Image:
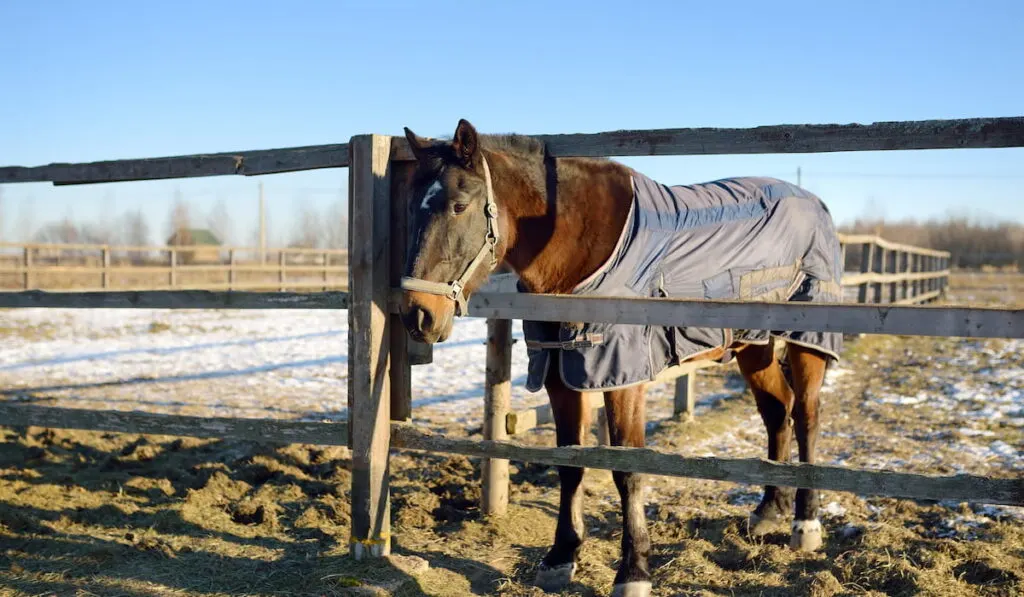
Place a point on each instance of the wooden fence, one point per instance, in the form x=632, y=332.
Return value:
x=91, y=267
x=381, y=354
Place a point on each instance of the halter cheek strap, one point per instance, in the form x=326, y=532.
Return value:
x=453, y=289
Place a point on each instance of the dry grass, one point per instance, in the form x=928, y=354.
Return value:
x=89, y=513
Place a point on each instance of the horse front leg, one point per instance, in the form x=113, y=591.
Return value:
x=572, y=419
x=625, y=410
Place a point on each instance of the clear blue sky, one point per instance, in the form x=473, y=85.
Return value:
x=116, y=79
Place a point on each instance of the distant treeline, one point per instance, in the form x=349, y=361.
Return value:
x=973, y=243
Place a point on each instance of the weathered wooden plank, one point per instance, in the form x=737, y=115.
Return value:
x=968, y=322
x=260, y=430
x=857, y=239
x=640, y=460
x=79, y=247
x=800, y=138
x=786, y=138
x=244, y=163
x=736, y=470
x=176, y=299
x=891, y=278
x=497, y=400
x=369, y=344
x=920, y=298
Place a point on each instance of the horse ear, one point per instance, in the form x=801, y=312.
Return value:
x=466, y=143
x=418, y=144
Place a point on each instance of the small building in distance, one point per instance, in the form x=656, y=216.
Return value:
x=207, y=246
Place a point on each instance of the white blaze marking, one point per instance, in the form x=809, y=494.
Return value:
x=433, y=190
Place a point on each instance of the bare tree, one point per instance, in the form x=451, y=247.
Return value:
x=307, y=231
x=219, y=222
x=61, y=232
x=26, y=219
x=336, y=226
x=180, y=222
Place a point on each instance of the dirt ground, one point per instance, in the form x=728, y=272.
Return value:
x=90, y=513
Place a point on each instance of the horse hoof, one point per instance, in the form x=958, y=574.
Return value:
x=640, y=588
x=759, y=527
x=554, y=578
x=807, y=535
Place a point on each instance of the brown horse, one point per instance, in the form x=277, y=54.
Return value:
x=483, y=200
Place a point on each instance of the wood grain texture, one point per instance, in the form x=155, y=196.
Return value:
x=369, y=345
x=497, y=401
x=400, y=369
x=967, y=322
x=177, y=299
x=736, y=470
x=243, y=163
x=798, y=138
x=1008, y=491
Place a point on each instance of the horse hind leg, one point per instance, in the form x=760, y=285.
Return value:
x=571, y=414
x=774, y=398
x=808, y=370
x=625, y=410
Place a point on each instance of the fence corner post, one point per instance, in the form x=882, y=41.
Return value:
x=497, y=401
x=369, y=400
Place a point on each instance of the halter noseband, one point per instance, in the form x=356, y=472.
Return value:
x=453, y=289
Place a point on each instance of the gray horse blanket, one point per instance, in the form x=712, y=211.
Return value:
x=737, y=238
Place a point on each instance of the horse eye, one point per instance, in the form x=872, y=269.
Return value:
x=460, y=207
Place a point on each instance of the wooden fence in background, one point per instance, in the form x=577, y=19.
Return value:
x=90, y=268
x=381, y=354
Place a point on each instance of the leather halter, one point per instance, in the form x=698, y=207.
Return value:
x=454, y=289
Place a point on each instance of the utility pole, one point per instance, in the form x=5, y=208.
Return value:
x=263, y=228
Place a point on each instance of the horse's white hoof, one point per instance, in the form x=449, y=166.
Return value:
x=554, y=578
x=807, y=535
x=640, y=588
x=759, y=527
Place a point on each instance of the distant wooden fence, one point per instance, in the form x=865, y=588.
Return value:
x=91, y=267
x=380, y=353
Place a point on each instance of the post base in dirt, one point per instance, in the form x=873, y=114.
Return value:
x=369, y=548
x=685, y=396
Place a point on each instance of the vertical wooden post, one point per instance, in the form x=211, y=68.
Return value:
x=172, y=276
x=282, y=259
x=685, y=396
x=893, y=265
x=401, y=370
x=915, y=267
x=327, y=264
x=879, y=268
x=105, y=276
x=866, y=255
x=232, y=274
x=27, y=258
x=369, y=399
x=497, y=401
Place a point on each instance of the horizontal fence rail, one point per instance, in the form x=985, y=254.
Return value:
x=637, y=460
x=799, y=138
x=177, y=299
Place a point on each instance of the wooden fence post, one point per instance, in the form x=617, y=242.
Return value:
x=327, y=263
x=232, y=274
x=27, y=259
x=369, y=400
x=866, y=255
x=497, y=401
x=401, y=360
x=282, y=259
x=685, y=396
x=915, y=267
x=105, y=276
x=172, y=276
x=893, y=265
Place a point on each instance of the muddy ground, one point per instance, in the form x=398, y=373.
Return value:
x=88, y=513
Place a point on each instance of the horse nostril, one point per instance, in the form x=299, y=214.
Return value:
x=424, y=320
